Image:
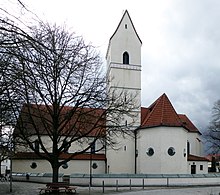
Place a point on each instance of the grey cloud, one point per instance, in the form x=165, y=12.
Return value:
x=189, y=68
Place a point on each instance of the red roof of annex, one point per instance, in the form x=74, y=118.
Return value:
x=162, y=113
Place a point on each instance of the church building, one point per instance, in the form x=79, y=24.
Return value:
x=164, y=141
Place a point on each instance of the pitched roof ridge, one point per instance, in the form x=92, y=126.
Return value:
x=176, y=114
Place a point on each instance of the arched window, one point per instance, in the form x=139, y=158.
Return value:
x=125, y=58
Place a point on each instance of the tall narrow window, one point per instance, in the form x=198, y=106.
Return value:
x=37, y=145
x=93, y=148
x=201, y=167
x=66, y=146
x=125, y=58
x=188, y=147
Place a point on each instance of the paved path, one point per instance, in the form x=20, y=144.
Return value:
x=24, y=188
x=177, y=191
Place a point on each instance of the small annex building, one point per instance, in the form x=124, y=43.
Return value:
x=165, y=142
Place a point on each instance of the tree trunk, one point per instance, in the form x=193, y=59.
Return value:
x=0, y=165
x=55, y=168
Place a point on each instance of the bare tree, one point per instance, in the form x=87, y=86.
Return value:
x=58, y=88
x=212, y=135
x=5, y=113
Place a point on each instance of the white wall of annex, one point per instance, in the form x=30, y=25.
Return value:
x=160, y=139
x=195, y=143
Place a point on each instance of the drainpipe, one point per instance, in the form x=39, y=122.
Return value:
x=136, y=151
x=105, y=148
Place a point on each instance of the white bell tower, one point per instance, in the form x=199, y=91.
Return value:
x=124, y=60
x=124, y=73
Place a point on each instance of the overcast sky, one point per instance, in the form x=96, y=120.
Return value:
x=180, y=51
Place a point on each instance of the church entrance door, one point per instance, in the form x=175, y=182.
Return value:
x=193, y=169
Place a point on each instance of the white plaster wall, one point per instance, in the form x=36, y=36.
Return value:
x=121, y=159
x=160, y=139
x=125, y=78
x=23, y=166
x=43, y=166
x=195, y=144
x=83, y=166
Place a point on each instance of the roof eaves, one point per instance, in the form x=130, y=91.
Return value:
x=159, y=125
x=196, y=158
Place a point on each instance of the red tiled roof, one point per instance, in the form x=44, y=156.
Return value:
x=86, y=156
x=162, y=113
x=36, y=119
x=196, y=158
